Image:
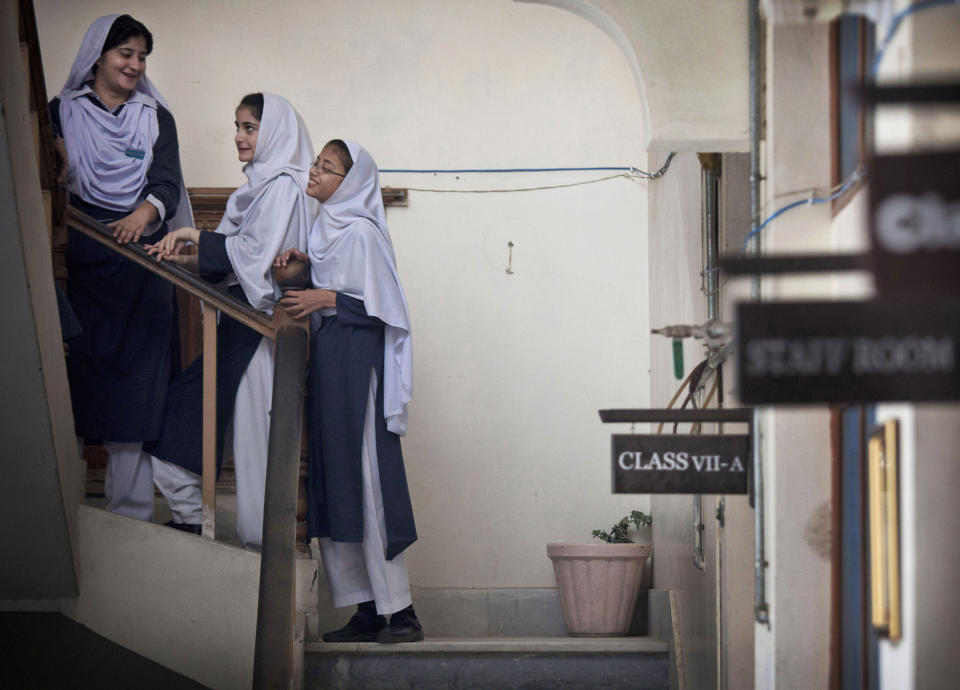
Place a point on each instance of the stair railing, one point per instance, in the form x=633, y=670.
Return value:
x=274, y=663
x=214, y=298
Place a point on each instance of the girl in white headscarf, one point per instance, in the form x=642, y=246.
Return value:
x=267, y=215
x=361, y=373
x=120, y=160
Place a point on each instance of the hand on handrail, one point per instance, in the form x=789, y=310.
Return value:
x=129, y=228
x=169, y=247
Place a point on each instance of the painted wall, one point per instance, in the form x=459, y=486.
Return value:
x=675, y=298
x=714, y=604
x=505, y=450
x=794, y=650
x=690, y=62
x=925, y=47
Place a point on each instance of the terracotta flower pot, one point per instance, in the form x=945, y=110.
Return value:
x=598, y=585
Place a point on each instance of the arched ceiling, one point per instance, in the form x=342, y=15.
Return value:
x=689, y=61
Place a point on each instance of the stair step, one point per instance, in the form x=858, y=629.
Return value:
x=502, y=645
x=495, y=662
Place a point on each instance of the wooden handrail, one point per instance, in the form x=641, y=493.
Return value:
x=274, y=665
x=214, y=296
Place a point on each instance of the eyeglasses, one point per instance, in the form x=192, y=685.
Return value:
x=316, y=164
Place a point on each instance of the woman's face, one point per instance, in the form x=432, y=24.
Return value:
x=248, y=129
x=326, y=173
x=120, y=68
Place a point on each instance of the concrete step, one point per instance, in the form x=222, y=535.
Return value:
x=531, y=663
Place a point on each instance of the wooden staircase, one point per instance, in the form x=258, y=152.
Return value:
x=54, y=199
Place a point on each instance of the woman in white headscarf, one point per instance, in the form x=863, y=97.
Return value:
x=265, y=216
x=361, y=373
x=120, y=160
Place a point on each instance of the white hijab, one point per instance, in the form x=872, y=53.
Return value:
x=351, y=252
x=98, y=143
x=260, y=222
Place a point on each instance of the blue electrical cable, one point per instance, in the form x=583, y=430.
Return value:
x=504, y=170
x=622, y=168
x=813, y=200
x=895, y=24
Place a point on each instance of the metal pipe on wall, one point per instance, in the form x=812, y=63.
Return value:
x=711, y=173
x=760, y=608
x=710, y=163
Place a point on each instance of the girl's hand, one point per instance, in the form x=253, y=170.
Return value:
x=301, y=303
x=171, y=244
x=130, y=228
x=293, y=253
x=191, y=262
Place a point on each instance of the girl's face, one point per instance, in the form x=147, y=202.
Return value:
x=248, y=129
x=119, y=69
x=326, y=173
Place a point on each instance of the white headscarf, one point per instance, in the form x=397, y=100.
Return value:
x=98, y=143
x=264, y=219
x=351, y=252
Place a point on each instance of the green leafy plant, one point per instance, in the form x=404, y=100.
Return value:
x=618, y=533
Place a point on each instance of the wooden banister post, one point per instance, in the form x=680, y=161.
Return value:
x=209, y=478
x=274, y=665
x=303, y=542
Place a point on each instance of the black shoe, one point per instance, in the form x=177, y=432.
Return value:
x=362, y=627
x=184, y=527
x=404, y=627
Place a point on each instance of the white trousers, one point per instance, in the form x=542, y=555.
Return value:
x=251, y=434
x=128, y=481
x=361, y=572
x=183, y=490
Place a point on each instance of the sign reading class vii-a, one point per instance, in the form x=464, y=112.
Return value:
x=680, y=464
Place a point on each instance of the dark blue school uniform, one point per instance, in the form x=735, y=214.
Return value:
x=343, y=351
x=181, y=436
x=120, y=363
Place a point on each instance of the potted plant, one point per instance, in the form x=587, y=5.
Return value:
x=599, y=582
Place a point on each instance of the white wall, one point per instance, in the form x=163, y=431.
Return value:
x=690, y=62
x=793, y=651
x=925, y=47
x=675, y=298
x=505, y=450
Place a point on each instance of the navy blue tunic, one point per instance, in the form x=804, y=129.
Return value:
x=181, y=438
x=343, y=352
x=120, y=363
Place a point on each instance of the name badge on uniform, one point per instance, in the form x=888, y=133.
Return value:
x=135, y=153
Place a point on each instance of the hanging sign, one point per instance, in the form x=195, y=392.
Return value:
x=826, y=352
x=915, y=223
x=680, y=464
